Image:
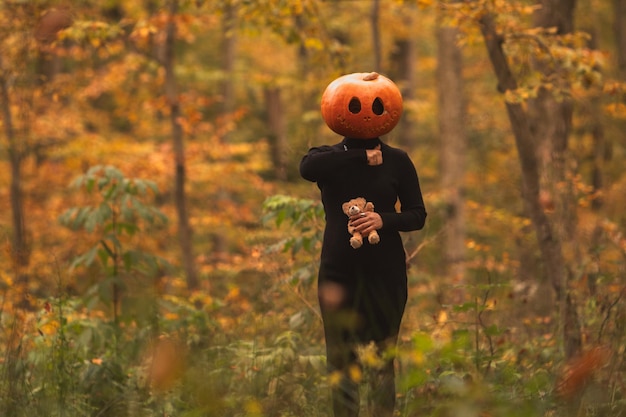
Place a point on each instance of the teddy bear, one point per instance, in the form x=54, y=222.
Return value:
x=353, y=207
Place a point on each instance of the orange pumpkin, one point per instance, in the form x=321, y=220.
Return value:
x=362, y=105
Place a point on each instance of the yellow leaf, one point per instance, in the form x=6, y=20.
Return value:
x=442, y=318
x=144, y=32
x=171, y=316
x=334, y=379
x=233, y=294
x=253, y=408
x=617, y=110
x=355, y=373
x=50, y=327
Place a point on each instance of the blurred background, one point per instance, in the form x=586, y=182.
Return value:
x=160, y=249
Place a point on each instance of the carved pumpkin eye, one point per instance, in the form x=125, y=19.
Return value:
x=377, y=107
x=354, y=106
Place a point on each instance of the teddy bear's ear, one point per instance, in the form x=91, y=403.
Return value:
x=345, y=207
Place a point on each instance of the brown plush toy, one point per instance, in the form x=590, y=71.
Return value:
x=357, y=206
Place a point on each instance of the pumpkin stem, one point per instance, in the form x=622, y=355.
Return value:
x=371, y=76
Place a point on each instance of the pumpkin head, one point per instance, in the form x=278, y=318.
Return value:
x=362, y=105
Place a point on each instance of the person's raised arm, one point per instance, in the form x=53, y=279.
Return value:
x=322, y=162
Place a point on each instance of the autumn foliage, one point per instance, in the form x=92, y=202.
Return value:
x=578, y=372
x=97, y=317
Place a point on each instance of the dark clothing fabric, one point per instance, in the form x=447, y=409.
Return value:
x=363, y=291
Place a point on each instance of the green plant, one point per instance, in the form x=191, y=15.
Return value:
x=304, y=215
x=298, y=251
x=57, y=359
x=305, y=218
x=284, y=378
x=116, y=214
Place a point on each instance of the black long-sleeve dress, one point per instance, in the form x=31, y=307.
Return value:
x=363, y=291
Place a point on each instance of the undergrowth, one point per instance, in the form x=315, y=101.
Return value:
x=227, y=355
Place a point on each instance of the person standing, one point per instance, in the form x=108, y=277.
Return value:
x=363, y=292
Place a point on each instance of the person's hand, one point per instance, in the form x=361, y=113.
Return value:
x=366, y=222
x=374, y=156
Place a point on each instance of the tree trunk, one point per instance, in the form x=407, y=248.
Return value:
x=453, y=140
x=549, y=245
x=278, y=136
x=619, y=7
x=229, y=43
x=20, y=252
x=52, y=21
x=171, y=92
x=551, y=123
x=402, y=70
x=228, y=54
x=600, y=155
x=376, y=44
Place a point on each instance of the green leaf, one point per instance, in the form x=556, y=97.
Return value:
x=89, y=184
x=280, y=216
x=492, y=330
x=111, y=192
x=85, y=259
x=104, y=255
x=129, y=259
x=152, y=185
x=141, y=187
x=127, y=228
x=117, y=245
x=66, y=217
x=423, y=342
x=105, y=213
x=91, y=220
x=81, y=217
x=413, y=379
x=468, y=306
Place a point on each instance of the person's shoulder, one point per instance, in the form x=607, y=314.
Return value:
x=398, y=157
x=338, y=145
x=395, y=151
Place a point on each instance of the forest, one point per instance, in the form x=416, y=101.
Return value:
x=160, y=250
